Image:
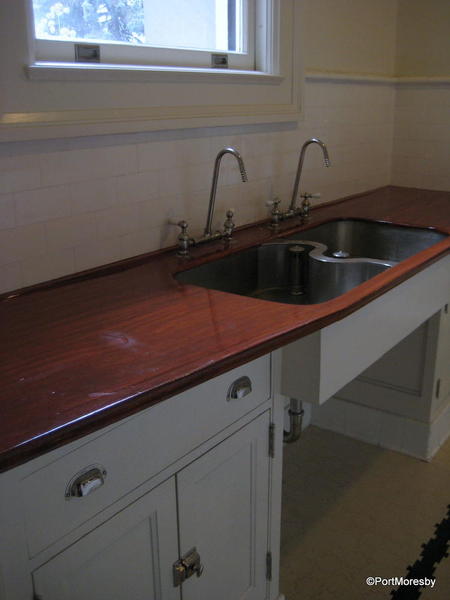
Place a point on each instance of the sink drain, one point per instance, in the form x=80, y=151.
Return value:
x=340, y=254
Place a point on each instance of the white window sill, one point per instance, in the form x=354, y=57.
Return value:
x=50, y=71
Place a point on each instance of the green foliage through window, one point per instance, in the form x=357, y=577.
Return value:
x=108, y=20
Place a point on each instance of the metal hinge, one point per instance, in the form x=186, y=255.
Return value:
x=438, y=387
x=186, y=566
x=446, y=309
x=272, y=440
x=269, y=566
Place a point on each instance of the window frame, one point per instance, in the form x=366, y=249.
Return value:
x=64, y=100
x=55, y=51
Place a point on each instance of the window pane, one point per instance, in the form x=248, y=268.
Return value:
x=194, y=24
x=199, y=24
x=102, y=20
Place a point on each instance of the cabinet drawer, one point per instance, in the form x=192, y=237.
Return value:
x=134, y=451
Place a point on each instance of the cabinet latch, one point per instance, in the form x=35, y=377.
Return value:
x=186, y=566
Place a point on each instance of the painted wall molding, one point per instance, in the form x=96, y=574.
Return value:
x=335, y=77
x=69, y=123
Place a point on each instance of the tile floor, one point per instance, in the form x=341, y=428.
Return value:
x=352, y=510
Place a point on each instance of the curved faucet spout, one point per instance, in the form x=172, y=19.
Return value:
x=326, y=160
x=212, y=196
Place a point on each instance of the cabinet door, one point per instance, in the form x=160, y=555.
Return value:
x=129, y=556
x=223, y=512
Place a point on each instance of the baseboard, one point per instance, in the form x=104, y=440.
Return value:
x=380, y=428
x=440, y=430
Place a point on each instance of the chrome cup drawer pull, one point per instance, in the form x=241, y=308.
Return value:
x=239, y=388
x=86, y=481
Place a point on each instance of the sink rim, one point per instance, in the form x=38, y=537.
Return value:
x=317, y=253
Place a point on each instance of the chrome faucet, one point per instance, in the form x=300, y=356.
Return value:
x=212, y=196
x=304, y=210
x=184, y=241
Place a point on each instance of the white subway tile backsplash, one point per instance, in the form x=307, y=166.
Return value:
x=218, y=142
x=98, y=252
x=138, y=187
x=7, y=211
x=22, y=243
x=117, y=221
x=48, y=266
x=74, y=166
x=421, y=153
x=165, y=154
x=157, y=214
x=185, y=152
x=91, y=196
x=139, y=242
x=71, y=231
x=43, y=204
x=22, y=162
x=149, y=156
x=10, y=276
x=184, y=180
x=103, y=200
x=19, y=179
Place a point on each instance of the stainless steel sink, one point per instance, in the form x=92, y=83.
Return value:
x=312, y=266
x=354, y=238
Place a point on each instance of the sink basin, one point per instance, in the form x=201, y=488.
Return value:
x=380, y=241
x=312, y=266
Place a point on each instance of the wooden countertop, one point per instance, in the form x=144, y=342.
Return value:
x=82, y=353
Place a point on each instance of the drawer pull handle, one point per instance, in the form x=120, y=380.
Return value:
x=239, y=388
x=85, y=482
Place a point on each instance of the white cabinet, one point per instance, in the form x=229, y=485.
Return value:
x=193, y=471
x=223, y=509
x=129, y=556
x=317, y=366
x=412, y=379
x=223, y=512
x=402, y=401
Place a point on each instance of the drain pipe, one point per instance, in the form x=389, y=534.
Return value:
x=295, y=421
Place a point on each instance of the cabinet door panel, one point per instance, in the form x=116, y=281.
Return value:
x=223, y=512
x=129, y=556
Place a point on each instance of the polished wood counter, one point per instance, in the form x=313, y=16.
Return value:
x=81, y=353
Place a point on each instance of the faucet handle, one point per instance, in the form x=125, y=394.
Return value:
x=184, y=241
x=306, y=204
x=228, y=226
x=275, y=213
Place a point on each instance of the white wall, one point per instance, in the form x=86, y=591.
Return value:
x=423, y=38
x=351, y=36
x=421, y=155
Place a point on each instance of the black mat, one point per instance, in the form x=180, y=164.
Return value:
x=435, y=550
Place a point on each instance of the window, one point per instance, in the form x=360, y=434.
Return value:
x=132, y=94
x=174, y=33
